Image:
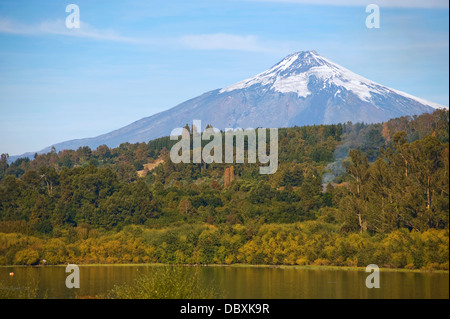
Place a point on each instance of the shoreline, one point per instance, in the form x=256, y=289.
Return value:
x=296, y=267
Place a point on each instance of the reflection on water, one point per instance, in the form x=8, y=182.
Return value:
x=242, y=282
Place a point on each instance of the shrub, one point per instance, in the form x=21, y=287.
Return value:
x=26, y=256
x=166, y=282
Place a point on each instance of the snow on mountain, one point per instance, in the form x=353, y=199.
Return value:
x=304, y=88
x=293, y=73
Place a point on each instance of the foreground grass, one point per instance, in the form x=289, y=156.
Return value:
x=28, y=291
x=168, y=282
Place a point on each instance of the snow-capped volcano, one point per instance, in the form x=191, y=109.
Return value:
x=303, y=89
x=293, y=75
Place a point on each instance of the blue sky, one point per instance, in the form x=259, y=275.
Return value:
x=133, y=59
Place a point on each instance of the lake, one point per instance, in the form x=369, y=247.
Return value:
x=243, y=282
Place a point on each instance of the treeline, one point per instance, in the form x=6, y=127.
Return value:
x=392, y=187
x=305, y=243
x=103, y=188
x=125, y=159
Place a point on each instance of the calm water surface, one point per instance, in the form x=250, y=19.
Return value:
x=243, y=282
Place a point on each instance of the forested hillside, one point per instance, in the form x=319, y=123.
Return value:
x=347, y=194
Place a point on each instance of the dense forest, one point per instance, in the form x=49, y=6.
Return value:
x=345, y=195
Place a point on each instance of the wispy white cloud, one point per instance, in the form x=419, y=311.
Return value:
x=441, y=4
x=58, y=27
x=215, y=41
